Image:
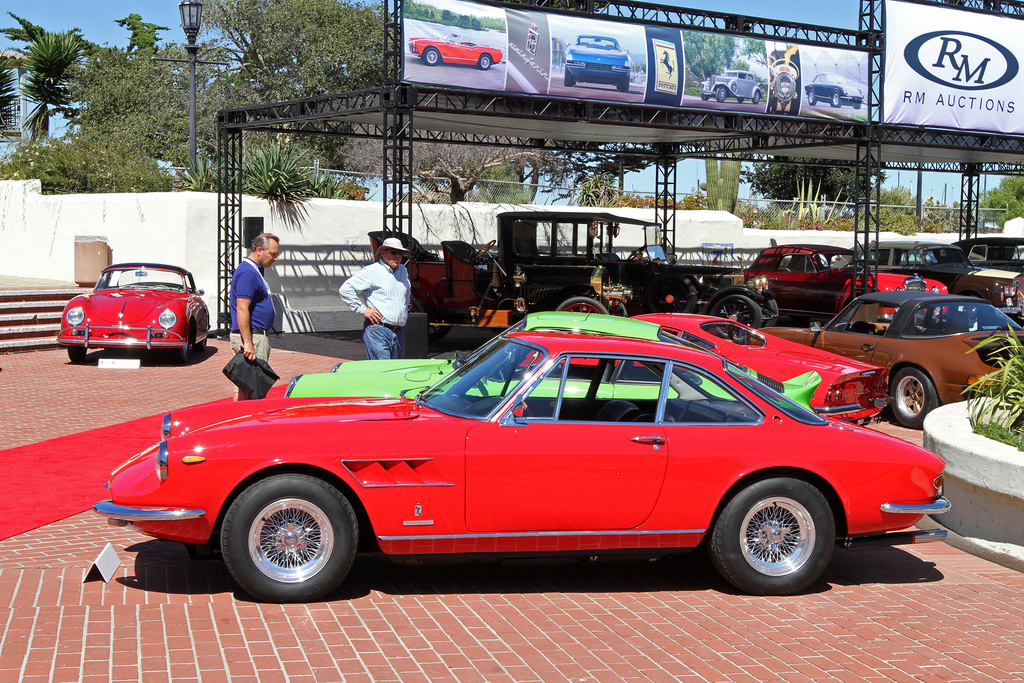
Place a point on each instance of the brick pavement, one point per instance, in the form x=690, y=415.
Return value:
x=930, y=613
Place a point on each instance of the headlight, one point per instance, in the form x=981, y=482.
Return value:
x=935, y=289
x=75, y=316
x=167, y=319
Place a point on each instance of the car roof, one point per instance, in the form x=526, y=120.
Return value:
x=991, y=240
x=561, y=342
x=573, y=217
x=912, y=243
x=143, y=264
x=795, y=248
x=595, y=323
x=899, y=298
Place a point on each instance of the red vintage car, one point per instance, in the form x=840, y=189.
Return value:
x=137, y=306
x=849, y=389
x=816, y=280
x=452, y=50
x=547, y=443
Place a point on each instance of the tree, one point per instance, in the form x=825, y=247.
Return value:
x=784, y=181
x=144, y=35
x=283, y=50
x=8, y=91
x=50, y=59
x=1009, y=195
x=708, y=53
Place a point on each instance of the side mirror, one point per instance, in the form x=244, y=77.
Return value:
x=518, y=413
x=815, y=326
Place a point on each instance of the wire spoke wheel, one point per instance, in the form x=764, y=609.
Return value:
x=777, y=536
x=290, y=540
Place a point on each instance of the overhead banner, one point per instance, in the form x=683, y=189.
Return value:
x=949, y=68
x=467, y=45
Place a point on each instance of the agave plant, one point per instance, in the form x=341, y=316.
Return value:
x=199, y=178
x=998, y=397
x=276, y=172
x=599, y=190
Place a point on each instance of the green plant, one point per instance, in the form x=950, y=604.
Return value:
x=78, y=164
x=998, y=397
x=50, y=58
x=1000, y=434
x=276, y=172
x=723, y=183
x=599, y=190
x=199, y=178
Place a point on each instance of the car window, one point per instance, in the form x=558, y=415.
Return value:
x=694, y=397
x=864, y=317
x=940, y=320
x=478, y=387
x=734, y=332
x=906, y=257
x=597, y=389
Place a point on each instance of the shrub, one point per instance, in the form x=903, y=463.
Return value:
x=79, y=164
x=998, y=397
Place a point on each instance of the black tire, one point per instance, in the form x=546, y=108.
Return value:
x=485, y=62
x=432, y=57
x=740, y=308
x=739, y=100
x=623, y=85
x=856, y=105
x=774, y=537
x=569, y=81
x=913, y=396
x=670, y=295
x=705, y=97
x=181, y=355
x=306, y=525
x=434, y=332
x=76, y=354
x=757, y=97
x=837, y=101
x=582, y=304
x=721, y=93
x=197, y=346
x=200, y=346
x=812, y=99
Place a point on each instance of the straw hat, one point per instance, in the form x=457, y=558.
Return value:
x=392, y=243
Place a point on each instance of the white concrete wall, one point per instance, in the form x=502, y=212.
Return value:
x=323, y=241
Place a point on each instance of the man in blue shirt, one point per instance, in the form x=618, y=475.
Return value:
x=380, y=293
x=252, y=309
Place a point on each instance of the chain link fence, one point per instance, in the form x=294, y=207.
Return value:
x=766, y=214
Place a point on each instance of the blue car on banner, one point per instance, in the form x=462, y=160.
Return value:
x=597, y=59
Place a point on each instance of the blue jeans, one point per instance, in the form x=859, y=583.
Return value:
x=383, y=343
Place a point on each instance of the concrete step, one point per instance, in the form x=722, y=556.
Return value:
x=9, y=318
x=56, y=294
x=29, y=331
x=28, y=344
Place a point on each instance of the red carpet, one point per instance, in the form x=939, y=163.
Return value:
x=50, y=480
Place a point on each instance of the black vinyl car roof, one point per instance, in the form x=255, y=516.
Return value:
x=900, y=298
x=573, y=217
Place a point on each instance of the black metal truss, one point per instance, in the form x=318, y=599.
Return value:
x=665, y=189
x=970, y=186
x=229, y=212
x=868, y=179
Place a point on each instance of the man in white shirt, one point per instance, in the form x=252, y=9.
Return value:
x=380, y=293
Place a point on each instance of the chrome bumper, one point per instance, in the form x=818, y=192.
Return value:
x=91, y=338
x=937, y=507
x=122, y=515
x=897, y=538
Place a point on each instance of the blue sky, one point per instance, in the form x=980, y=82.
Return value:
x=97, y=20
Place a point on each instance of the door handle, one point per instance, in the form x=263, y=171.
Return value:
x=867, y=347
x=656, y=440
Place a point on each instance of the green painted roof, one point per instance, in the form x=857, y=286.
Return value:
x=596, y=323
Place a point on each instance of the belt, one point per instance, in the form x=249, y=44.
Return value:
x=393, y=328
x=255, y=330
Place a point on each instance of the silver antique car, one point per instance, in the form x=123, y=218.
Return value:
x=739, y=84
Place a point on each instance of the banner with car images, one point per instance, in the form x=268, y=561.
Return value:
x=952, y=69
x=467, y=45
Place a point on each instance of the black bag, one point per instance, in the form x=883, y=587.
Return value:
x=252, y=377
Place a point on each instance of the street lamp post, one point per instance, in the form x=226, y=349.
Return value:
x=191, y=20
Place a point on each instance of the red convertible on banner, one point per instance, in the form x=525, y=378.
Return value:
x=546, y=443
x=453, y=51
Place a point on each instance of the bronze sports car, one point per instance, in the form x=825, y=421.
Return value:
x=924, y=340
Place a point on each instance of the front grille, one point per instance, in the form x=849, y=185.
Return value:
x=594, y=66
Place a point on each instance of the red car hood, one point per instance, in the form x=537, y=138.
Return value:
x=130, y=307
x=268, y=411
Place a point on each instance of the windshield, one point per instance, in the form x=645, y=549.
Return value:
x=477, y=388
x=142, y=278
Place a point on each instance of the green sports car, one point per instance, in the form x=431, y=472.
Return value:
x=409, y=376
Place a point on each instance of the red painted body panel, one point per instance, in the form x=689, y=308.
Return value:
x=455, y=52
x=436, y=483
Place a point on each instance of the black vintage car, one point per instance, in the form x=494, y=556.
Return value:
x=568, y=261
x=994, y=252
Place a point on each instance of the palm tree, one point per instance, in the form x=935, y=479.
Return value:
x=50, y=58
x=8, y=93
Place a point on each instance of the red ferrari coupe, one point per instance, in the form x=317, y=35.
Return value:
x=546, y=443
x=140, y=306
x=452, y=50
x=849, y=389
